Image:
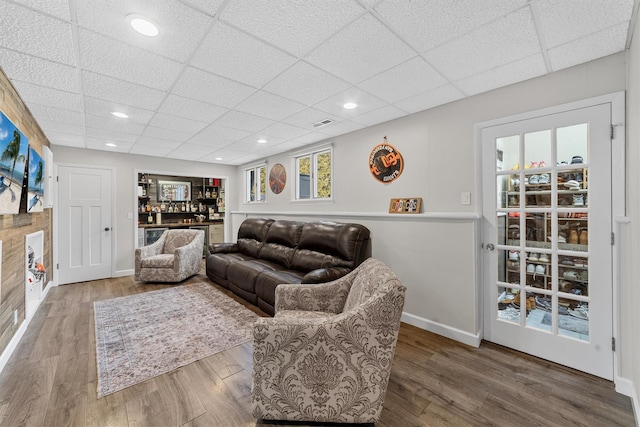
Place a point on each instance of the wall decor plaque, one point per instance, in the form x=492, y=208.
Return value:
x=408, y=206
x=385, y=162
x=277, y=178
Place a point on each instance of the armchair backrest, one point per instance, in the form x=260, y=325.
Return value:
x=370, y=278
x=178, y=238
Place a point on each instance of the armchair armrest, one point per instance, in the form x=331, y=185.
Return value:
x=223, y=248
x=328, y=297
x=323, y=275
x=147, y=251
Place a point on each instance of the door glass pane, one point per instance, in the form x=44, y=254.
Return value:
x=506, y=197
x=573, y=231
x=537, y=149
x=539, y=311
x=508, y=153
x=508, y=308
x=573, y=275
x=573, y=318
x=536, y=230
x=572, y=144
x=538, y=189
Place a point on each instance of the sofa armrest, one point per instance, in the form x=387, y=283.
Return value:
x=323, y=275
x=328, y=297
x=223, y=248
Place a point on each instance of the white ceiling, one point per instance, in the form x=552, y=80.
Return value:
x=224, y=73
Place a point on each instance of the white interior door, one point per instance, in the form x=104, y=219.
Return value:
x=84, y=200
x=547, y=234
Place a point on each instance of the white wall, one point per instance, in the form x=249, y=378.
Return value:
x=435, y=258
x=125, y=188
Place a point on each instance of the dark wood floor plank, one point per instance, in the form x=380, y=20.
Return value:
x=51, y=379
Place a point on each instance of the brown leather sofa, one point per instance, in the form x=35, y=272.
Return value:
x=269, y=253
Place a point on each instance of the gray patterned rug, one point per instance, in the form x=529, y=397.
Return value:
x=145, y=335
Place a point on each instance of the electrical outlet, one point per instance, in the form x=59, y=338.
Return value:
x=15, y=317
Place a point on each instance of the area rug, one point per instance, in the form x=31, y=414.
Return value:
x=569, y=323
x=145, y=335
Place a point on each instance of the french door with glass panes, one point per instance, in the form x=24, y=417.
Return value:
x=547, y=234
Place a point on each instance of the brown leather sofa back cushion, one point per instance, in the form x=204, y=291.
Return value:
x=252, y=234
x=281, y=240
x=329, y=244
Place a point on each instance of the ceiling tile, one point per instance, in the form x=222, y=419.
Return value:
x=306, y=84
x=101, y=108
x=207, y=87
x=46, y=112
x=427, y=24
x=150, y=150
x=114, y=124
x=30, y=32
x=66, y=140
x=217, y=136
x=296, y=27
x=283, y=131
x=60, y=127
x=381, y=115
x=57, y=8
x=430, y=99
x=284, y=147
x=100, y=144
x=191, y=108
x=501, y=42
x=223, y=156
x=589, y=48
x=312, y=137
x=404, y=81
x=173, y=123
x=122, y=61
x=210, y=7
x=191, y=152
x=377, y=49
x=33, y=94
x=568, y=20
x=243, y=121
x=111, y=135
x=171, y=135
x=236, y=55
x=307, y=117
x=270, y=106
x=30, y=69
x=341, y=128
x=155, y=142
x=250, y=144
x=120, y=91
x=181, y=27
x=524, y=69
x=365, y=101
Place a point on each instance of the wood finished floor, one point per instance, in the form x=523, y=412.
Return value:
x=51, y=380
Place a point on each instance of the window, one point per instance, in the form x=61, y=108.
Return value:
x=313, y=175
x=256, y=183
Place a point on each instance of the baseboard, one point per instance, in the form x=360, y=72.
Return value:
x=13, y=344
x=440, y=329
x=123, y=273
x=626, y=387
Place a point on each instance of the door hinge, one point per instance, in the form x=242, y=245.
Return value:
x=613, y=238
x=57, y=266
x=57, y=178
x=613, y=344
x=611, y=133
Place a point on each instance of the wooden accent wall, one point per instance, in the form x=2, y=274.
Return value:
x=14, y=228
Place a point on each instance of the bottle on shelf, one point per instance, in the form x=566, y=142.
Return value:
x=150, y=218
x=184, y=207
x=207, y=194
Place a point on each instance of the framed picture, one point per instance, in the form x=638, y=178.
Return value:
x=174, y=191
x=35, y=182
x=13, y=160
x=408, y=206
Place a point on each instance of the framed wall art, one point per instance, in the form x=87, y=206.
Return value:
x=35, y=182
x=407, y=206
x=13, y=160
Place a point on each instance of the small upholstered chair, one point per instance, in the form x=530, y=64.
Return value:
x=326, y=355
x=175, y=256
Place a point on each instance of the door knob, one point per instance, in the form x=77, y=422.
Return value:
x=107, y=229
x=490, y=247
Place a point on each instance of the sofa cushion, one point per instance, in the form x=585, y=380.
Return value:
x=267, y=282
x=158, y=261
x=219, y=263
x=281, y=241
x=328, y=244
x=243, y=274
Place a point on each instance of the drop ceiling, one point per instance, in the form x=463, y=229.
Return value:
x=223, y=74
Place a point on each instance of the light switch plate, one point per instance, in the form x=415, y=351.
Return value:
x=465, y=198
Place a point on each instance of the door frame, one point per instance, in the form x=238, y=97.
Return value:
x=618, y=195
x=56, y=215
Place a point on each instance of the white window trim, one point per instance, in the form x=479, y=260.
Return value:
x=310, y=151
x=247, y=168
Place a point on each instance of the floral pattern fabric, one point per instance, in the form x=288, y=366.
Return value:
x=322, y=366
x=164, y=261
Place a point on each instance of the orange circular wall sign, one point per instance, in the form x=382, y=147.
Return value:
x=385, y=162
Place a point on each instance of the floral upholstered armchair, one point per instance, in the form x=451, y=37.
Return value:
x=326, y=355
x=175, y=256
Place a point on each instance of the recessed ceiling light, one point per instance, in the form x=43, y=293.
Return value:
x=120, y=115
x=262, y=141
x=110, y=144
x=143, y=25
x=219, y=158
x=350, y=105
